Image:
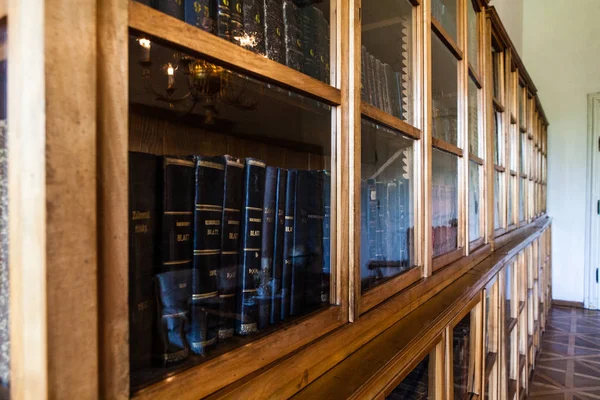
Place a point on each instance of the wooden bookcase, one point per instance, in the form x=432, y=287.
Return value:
x=473, y=139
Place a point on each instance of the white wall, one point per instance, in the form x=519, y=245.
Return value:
x=511, y=14
x=562, y=55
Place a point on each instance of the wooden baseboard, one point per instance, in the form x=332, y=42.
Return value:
x=565, y=303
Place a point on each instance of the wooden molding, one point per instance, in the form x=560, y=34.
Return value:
x=384, y=118
x=395, y=285
x=567, y=303
x=447, y=147
x=476, y=159
x=445, y=37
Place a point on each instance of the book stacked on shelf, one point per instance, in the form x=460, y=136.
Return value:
x=386, y=234
x=221, y=247
x=291, y=32
x=445, y=219
x=383, y=87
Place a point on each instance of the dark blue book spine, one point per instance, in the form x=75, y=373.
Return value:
x=173, y=8
x=250, y=247
x=403, y=220
x=200, y=13
x=310, y=185
x=393, y=229
x=381, y=245
x=300, y=250
x=254, y=26
x=265, y=287
x=230, y=245
x=364, y=233
x=326, y=275
x=288, y=244
x=279, y=231
x=173, y=281
x=143, y=219
x=208, y=215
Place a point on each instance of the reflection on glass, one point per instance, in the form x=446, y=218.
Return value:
x=473, y=119
x=229, y=195
x=472, y=36
x=496, y=73
x=497, y=129
x=463, y=370
x=522, y=199
x=444, y=89
x=4, y=281
x=294, y=33
x=415, y=386
x=497, y=200
x=508, y=284
x=510, y=201
x=488, y=319
x=444, y=202
x=444, y=11
x=522, y=149
x=386, y=204
x=474, y=197
x=387, y=55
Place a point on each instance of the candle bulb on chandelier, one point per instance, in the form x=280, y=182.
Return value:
x=145, y=44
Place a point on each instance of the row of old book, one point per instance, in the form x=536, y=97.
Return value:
x=291, y=32
x=387, y=232
x=445, y=218
x=221, y=246
x=383, y=87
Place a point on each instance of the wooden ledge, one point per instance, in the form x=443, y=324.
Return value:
x=166, y=29
x=388, y=120
x=445, y=37
x=497, y=105
x=476, y=159
x=447, y=147
x=475, y=76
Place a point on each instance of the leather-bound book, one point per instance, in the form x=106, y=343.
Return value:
x=278, y=235
x=230, y=245
x=223, y=19
x=173, y=280
x=143, y=220
x=265, y=287
x=326, y=274
x=201, y=14
x=250, y=247
x=288, y=244
x=393, y=92
x=373, y=81
x=254, y=26
x=310, y=31
x=208, y=214
x=309, y=201
x=294, y=48
x=323, y=48
x=173, y=8
x=381, y=245
x=274, y=30
x=364, y=91
x=236, y=25
x=300, y=252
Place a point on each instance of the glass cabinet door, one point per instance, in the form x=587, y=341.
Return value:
x=491, y=336
x=230, y=196
x=465, y=341
x=4, y=275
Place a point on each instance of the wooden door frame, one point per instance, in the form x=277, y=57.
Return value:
x=591, y=296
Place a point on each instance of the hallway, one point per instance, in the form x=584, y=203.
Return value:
x=569, y=363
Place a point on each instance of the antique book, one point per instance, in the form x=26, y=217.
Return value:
x=173, y=281
x=278, y=235
x=373, y=81
x=265, y=286
x=200, y=13
x=364, y=90
x=236, y=25
x=393, y=92
x=143, y=220
x=323, y=47
x=254, y=27
x=288, y=244
x=372, y=215
x=309, y=237
x=294, y=51
x=173, y=8
x=300, y=252
x=381, y=92
x=230, y=232
x=208, y=214
x=380, y=243
x=274, y=30
x=310, y=30
x=326, y=275
x=364, y=234
x=250, y=247
x=392, y=233
x=223, y=19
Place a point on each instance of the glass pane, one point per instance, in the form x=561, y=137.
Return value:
x=508, y=284
x=444, y=202
x=521, y=199
x=473, y=38
x=294, y=33
x=522, y=156
x=387, y=209
x=445, y=11
x=387, y=56
x=444, y=89
x=473, y=119
x=497, y=200
x=497, y=129
x=463, y=370
x=415, y=386
x=510, y=201
x=4, y=278
x=474, y=198
x=229, y=194
x=496, y=73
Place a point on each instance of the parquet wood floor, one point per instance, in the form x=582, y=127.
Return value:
x=569, y=363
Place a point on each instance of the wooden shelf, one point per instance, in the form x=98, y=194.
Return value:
x=445, y=37
x=447, y=147
x=384, y=118
x=476, y=159
x=497, y=105
x=163, y=28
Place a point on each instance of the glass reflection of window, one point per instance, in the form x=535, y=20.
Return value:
x=444, y=88
x=474, y=198
x=444, y=200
